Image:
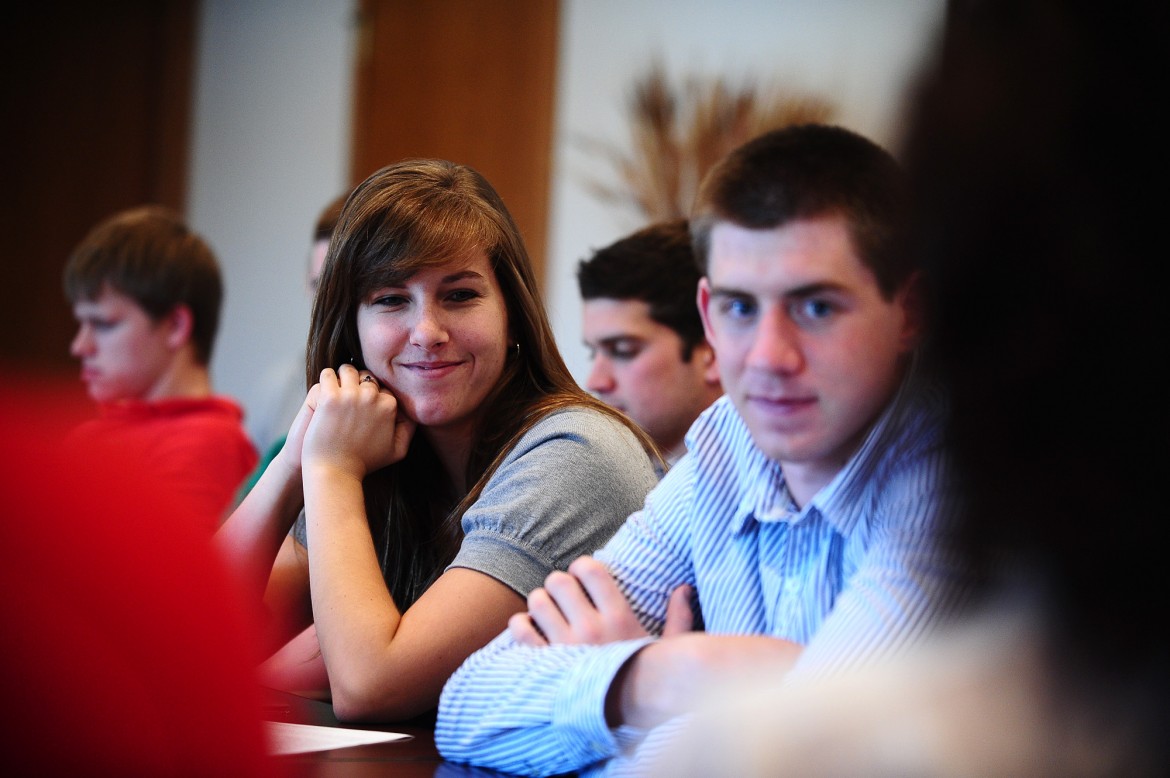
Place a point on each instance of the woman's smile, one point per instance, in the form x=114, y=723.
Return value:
x=432, y=369
x=438, y=339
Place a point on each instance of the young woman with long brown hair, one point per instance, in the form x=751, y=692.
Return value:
x=445, y=459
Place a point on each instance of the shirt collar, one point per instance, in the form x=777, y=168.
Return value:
x=767, y=499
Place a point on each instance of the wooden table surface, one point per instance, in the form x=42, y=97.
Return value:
x=411, y=758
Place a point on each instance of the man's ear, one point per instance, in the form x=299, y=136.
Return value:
x=910, y=298
x=180, y=323
x=703, y=300
x=705, y=353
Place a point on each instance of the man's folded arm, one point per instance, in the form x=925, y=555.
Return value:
x=532, y=710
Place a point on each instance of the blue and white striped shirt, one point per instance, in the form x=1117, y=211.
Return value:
x=855, y=574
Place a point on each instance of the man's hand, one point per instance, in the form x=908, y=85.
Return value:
x=670, y=677
x=585, y=606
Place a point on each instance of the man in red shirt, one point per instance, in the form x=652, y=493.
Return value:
x=146, y=293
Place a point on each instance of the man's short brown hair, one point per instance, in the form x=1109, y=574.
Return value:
x=804, y=172
x=150, y=255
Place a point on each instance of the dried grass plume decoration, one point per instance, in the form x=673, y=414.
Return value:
x=679, y=132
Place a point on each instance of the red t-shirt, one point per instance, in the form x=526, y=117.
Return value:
x=198, y=448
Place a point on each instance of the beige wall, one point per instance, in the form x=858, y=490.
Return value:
x=271, y=135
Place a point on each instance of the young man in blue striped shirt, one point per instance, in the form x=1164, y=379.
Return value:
x=798, y=534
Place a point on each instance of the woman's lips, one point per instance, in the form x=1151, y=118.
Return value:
x=431, y=369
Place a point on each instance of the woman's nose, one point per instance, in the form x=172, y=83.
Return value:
x=428, y=331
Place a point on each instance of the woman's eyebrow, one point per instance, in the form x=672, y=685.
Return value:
x=460, y=275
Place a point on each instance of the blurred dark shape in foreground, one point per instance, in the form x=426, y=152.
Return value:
x=124, y=651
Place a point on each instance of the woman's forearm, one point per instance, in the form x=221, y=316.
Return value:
x=251, y=536
x=355, y=616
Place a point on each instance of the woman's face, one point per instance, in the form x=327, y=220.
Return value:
x=438, y=341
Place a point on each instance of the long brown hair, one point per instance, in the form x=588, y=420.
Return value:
x=413, y=214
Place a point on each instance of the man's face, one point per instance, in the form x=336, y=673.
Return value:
x=124, y=353
x=316, y=263
x=809, y=351
x=638, y=368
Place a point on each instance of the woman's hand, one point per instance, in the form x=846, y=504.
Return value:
x=354, y=425
x=290, y=453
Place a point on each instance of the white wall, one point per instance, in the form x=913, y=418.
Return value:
x=270, y=149
x=272, y=112
x=859, y=54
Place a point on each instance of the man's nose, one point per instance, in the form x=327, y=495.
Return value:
x=777, y=346
x=600, y=380
x=82, y=344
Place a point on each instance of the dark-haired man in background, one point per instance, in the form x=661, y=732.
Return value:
x=645, y=338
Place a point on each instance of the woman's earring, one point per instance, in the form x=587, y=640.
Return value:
x=517, y=345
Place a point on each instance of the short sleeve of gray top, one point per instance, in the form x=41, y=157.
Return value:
x=561, y=492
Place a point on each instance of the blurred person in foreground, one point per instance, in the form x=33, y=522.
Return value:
x=641, y=325
x=126, y=649
x=146, y=293
x=1029, y=151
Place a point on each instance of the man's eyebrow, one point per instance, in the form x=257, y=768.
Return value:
x=728, y=291
x=806, y=290
x=611, y=340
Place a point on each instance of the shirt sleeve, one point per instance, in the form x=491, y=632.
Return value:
x=542, y=710
x=535, y=711
x=906, y=579
x=561, y=492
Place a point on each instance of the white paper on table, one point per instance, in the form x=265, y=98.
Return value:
x=286, y=738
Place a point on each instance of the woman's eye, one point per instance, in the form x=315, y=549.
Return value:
x=389, y=300
x=462, y=295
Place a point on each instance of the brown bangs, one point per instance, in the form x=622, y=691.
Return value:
x=435, y=232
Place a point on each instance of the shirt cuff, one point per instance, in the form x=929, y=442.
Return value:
x=580, y=703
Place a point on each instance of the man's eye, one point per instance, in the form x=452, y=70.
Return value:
x=624, y=351
x=814, y=309
x=739, y=307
